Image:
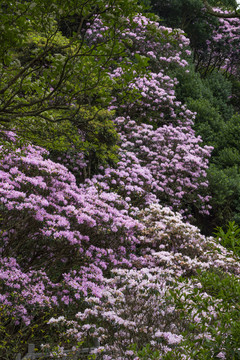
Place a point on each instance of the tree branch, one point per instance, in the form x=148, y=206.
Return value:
x=209, y=8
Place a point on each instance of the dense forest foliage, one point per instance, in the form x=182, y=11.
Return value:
x=120, y=178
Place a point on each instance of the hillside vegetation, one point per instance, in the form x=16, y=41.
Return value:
x=120, y=179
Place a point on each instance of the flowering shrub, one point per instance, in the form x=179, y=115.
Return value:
x=95, y=267
x=160, y=155
x=223, y=46
x=156, y=127
x=175, y=160
x=157, y=302
x=153, y=93
x=144, y=36
x=51, y=226
x=157, y=103
x=129, y=179
x=103, y=256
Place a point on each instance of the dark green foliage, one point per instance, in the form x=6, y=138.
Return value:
x=235, y=93
x=209, y=122
x=187, y=15
x=224, y=187
x=224, y=174
x=226, y=288
x=227, y=3
x=228, y=157
x=230, y=238
x=212, y=100
x=145, y=3
x=146, y=353
x=215, y=90
x=191, y=16
x=191, y=85
x=221, y=89
x=231, y=133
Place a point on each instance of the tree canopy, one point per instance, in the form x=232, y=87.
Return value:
x=52, y=74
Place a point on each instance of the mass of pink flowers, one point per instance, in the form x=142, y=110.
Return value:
x=106, y=255
x=223, y=46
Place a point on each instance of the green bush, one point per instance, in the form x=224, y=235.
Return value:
x=190, y=85
x=221, y=89
x=208, y=123
x=224, y=187
x=226, y=288
x=229, y=238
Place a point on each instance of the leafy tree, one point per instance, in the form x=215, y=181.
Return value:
x=50, y=71
x=213, y=39
x=229, y=238
x=189, y=16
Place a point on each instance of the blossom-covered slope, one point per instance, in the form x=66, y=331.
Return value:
x=112, y=258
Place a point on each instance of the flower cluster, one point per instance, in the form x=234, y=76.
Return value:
x=151, y=304
x=107, y=257
x=175, y=159
x=223, y=49
x=49, y=222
